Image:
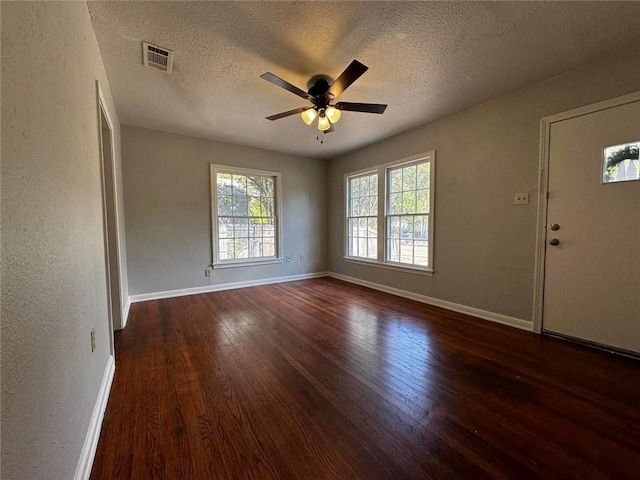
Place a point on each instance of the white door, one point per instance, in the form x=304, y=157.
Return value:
x=592, y=274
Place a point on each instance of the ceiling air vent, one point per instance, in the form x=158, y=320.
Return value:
x=157, y=57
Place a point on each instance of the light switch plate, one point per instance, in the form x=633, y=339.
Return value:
x=521, y=199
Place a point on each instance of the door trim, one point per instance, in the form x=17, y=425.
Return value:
x=543, y=182
x=104, y=164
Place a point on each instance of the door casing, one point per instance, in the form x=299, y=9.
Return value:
x=543, y=188
x=113, y=275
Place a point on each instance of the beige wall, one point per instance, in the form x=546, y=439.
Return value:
x=168, y=210
x=484, y=244
x=53, y=263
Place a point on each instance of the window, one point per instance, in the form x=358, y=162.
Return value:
x=621, y=163
x=398, y=198
x=407, y=221
x=245, y=207
x=363, y=216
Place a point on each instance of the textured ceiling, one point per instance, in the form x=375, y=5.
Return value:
x=426, y=60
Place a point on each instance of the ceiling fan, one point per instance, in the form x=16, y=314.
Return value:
x=321, y=94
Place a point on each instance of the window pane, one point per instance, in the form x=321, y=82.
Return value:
x=356, y=206
x=352, y=227
x=422, y=201
x=240, y=206
x=362, y=247
x=621, y=163
x=241, y=227
x=222, y=249
x=268, y=207
x=268, y=247
x=394, y=250
x=395, y=203
x=239, y=184
x=354, y=187
x=423, y=175
x=225, y=228
x=373, y=206
x=254, y=206
x=255, y=229
x=406, y=227
x=229, y=249
x=406, y=251
x=409, y=202
x=421, y=253
x=420, y=227
x=372, y=248
x=366, y=206
x=373, y=185
x=363, y=227
x=242, y=247
x=268, y=227
x=373, y=227
x=393, y=227
x=252, y=187
x=409, y=178
x=225, y=203
x=353, y=247
x=395, y=180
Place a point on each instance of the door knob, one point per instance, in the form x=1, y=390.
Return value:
x=554, y=241
x=555, y=226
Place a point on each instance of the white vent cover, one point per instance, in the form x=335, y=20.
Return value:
x=157, y=57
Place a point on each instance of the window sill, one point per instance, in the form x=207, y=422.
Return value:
x=391, y=266
x=247, y=263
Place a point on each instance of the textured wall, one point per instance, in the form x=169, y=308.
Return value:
x=53, y=265
x=168, y=210
x=484, y=245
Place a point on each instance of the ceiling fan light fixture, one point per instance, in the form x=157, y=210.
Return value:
x=333, y=114
x=323, y=122
x=321, y=94
x=308, y=116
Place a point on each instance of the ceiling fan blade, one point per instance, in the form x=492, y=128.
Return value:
x=346, y=78
x=270, y=77
x=278, y=116
x=361, y=107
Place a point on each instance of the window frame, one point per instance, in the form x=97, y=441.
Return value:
x=244, y=262
x=383, y=212
x=349, y=217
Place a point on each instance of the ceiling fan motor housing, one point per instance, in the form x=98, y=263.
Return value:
x=319, y=92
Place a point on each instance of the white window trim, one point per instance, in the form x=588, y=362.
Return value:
x=245, y=262
x=347, y=210
x=381, y=170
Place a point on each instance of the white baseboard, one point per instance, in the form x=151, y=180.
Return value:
x=143, y=297
x=83, y=470
x=125, y=312
x=456, y=307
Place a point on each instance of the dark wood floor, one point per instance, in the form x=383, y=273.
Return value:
x=321, y=379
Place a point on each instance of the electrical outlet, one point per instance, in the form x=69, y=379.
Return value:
x=288, y=259
x=93, y=340
x=207, y=272
x=301, y=258
x=521, y=199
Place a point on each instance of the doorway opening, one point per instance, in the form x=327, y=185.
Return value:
x=110, y=221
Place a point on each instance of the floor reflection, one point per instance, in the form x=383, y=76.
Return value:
x=406, y=349
x=397, y=346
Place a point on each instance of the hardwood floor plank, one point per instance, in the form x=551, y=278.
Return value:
x=324, y=379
